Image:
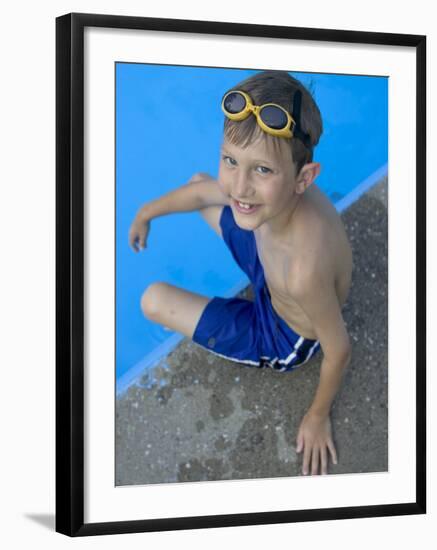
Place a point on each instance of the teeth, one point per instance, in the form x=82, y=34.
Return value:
x=245, y=206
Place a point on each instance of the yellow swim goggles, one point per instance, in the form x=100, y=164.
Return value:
x=272, y=118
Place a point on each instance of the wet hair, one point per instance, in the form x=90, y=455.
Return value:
x=277, y=87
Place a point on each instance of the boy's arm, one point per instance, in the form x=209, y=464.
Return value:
x=315, y=293
x=200, y=192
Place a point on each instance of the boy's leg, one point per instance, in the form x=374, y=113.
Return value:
x=173, y=307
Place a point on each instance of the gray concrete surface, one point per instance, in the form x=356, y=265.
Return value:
x=198, y=417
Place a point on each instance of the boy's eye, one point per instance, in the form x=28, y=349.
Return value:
x=229, y=160
x=263, y=169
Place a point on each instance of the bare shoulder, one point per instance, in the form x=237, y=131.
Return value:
x=318, y=218
x=323, y=250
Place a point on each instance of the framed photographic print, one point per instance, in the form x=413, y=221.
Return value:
x=240, y=274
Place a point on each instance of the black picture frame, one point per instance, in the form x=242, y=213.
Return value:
x=70, y=236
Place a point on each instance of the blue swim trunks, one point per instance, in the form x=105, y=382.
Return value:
x=251, y=333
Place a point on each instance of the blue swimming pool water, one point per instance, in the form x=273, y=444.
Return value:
x=169, y=126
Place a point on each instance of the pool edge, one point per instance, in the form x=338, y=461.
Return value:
x=133, y=374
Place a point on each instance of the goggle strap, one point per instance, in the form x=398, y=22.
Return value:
x=297, y=130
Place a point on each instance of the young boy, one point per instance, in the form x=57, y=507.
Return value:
x=285, y=235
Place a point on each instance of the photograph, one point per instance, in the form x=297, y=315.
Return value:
x=240, y=267
x=251, y=282
x=228, y=338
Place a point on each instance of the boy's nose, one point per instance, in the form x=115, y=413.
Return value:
x=242, y=186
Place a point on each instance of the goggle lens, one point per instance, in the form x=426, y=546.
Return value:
x=235, y=103
x=273, y=117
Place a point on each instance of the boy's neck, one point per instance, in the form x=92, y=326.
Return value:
x=279, y=228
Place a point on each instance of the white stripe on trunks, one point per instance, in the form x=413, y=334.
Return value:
x=286, y=361
x=310, y=353
x=294, y=352
x=271, y=362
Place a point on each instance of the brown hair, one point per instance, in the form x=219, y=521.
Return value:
x=277, y=87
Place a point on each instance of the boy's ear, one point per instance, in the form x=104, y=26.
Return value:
x=307, y=175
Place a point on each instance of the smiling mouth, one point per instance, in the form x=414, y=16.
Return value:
x=244, y=207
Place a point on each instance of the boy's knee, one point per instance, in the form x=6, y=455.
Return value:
x=200, y=176
x=152, y=299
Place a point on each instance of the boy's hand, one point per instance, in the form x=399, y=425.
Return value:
x=315, y=439
x=139, y=232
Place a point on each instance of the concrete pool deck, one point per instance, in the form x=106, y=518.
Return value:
x=199, y=417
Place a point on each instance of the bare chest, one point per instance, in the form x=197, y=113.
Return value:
x=279, y=264
x=276, y=265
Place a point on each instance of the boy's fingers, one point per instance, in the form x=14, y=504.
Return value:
x=299, y=443
x=140, y=239
x=324, y=460
x=132, y=244
x=143, y=238
x=315, y=462
x=132, y=239
x=332, y=451
x=306, y=460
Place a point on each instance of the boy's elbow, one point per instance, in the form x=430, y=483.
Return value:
x=342, y=354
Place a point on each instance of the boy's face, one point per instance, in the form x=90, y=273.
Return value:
x=260, y=182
